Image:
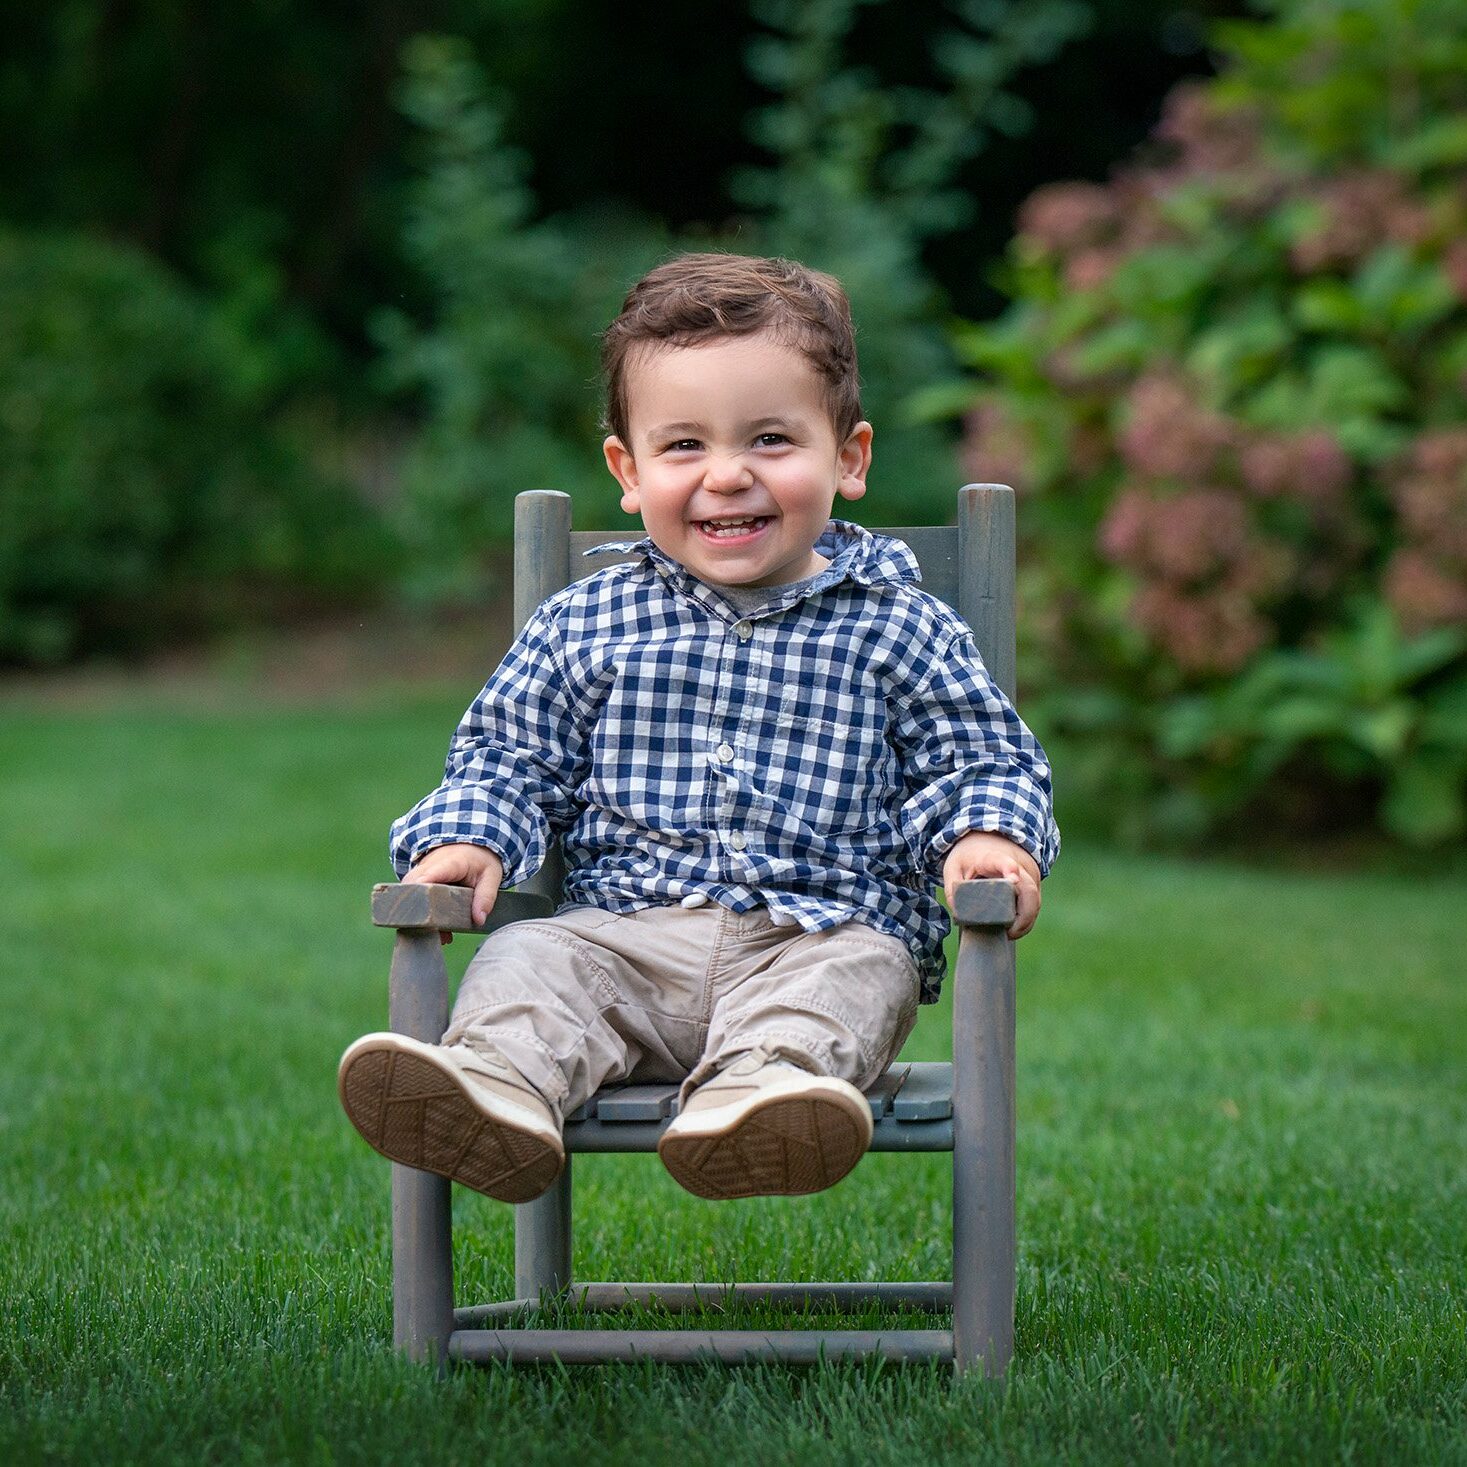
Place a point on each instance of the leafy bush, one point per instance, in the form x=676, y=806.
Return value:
x=1230, y=385
x=140, y=492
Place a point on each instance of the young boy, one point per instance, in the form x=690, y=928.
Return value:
x=760, y=745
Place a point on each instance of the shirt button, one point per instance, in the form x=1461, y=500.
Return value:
x=725, y=751
x=743, y=630
x=738, y=840
x=695, y=899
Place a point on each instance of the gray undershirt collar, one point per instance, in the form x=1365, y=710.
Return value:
x=747, y=599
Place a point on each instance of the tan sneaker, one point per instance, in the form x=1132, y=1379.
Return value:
x=763, y=1127
x=461, y=1110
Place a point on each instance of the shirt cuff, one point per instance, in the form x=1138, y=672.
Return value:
x=1041, y=841
x=471, y=818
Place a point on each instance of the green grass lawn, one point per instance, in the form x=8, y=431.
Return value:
x=1242, y=1152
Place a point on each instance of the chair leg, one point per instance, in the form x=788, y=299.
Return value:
x=984, y=1251
x=422, y=1264
x=542, y=1241
x=422, y=1241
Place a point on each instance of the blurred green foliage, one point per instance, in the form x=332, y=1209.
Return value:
x=1231, y=385
x=395, y=254
x=256, y=147
x=143, y=492
x=857, y=179
x=505, y=365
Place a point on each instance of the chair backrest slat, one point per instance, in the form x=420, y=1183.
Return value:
x=968, y=565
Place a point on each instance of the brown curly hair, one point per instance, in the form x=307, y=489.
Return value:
x=698, y=298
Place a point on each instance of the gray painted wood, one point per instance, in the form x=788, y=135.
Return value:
x=880, y=1095
x=837, y=1296
x=637, y=1103
x=986, y=541
x=679, y=1298
x=936, y=549
x=987, y=903
x=984, y=1249
x=542, y=549
x=925, y=1129
x=422, y=1256
x=728, y=1347
x=542, y=1241
x=447, y=908
x=542, y=566
x=927, y=1095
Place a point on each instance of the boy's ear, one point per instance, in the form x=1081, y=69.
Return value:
x=624, y=470
x=855, y=461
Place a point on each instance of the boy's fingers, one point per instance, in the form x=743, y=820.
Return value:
x=430, y=874
x=486, y=889
x=1026, y=889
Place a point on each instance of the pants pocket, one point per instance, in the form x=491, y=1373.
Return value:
x=586, y=918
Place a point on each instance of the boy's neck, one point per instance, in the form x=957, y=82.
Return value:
x=809, y=575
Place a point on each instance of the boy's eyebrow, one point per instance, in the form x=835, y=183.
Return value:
x=690, y=430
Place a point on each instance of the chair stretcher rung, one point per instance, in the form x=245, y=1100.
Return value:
x=728, y=1346
x=685, y=1298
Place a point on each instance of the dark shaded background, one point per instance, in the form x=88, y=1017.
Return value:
x=257, y=146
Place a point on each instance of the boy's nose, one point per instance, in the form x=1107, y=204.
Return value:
x=726, y=474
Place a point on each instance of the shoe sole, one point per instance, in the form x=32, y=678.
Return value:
x=416, y=1112
x=786, y=1146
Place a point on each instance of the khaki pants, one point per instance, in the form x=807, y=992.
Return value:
x=589, y=997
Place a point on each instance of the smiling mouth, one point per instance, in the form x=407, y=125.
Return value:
x=732, y=529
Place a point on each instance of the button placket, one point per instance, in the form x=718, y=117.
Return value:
x=720, y=806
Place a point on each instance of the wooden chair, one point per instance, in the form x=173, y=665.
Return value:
x=966, y=1107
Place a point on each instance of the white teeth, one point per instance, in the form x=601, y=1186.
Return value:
x=731, y=527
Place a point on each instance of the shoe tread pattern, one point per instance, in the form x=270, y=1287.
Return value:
x=415, y=1113
x=786, y=1148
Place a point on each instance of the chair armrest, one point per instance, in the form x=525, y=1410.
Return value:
x=428, y=906
x=987, y=903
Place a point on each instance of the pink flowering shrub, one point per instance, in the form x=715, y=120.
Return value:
x=1230, y=389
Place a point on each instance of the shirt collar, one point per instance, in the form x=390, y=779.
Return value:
x=855, y=553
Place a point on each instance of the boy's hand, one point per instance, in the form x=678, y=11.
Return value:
x=462, y=865
x=983, y=853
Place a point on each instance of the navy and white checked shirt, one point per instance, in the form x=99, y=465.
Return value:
x=817, y=757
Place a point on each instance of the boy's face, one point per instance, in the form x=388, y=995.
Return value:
x=735, y=433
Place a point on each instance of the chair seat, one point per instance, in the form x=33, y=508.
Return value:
x=911, y=1106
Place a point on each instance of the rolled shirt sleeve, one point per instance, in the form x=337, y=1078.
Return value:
x=513, y=766
x=970, y=762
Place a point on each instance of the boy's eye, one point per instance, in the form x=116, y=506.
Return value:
x=683, y=445
x=771, y=440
